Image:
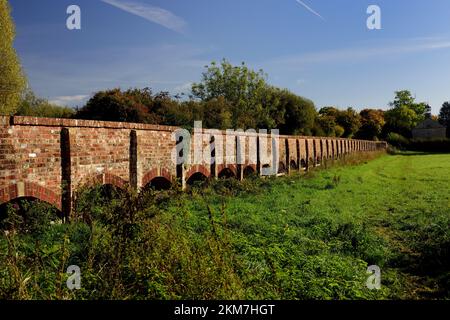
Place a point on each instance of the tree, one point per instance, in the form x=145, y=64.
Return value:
x=295, y=114
x=444, y=116
x=114, y=105
x=244, y=89
x=348, y=119
x=405, y=113
x=339, y=131
x=372, y=123
x=30, y=105
x=217, y=114
x=402, y=98
x=12, y=80
x=327, y=121
x=328, y=125
x=329, y=111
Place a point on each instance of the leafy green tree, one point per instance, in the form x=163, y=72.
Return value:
x=327, y=120
x=12, y=80
x=339, y=131
x=329, y=111
x=180, y=114
x=348, y=119
x=444, y=116
x=401, y=120
x=328, y=125
x=317, y=130
x=402, y=98
x=133, y=105
x=405, y=113
x=297, y=114
x=30, y=105
x=217, y=114
x=372, y=123
x=244, y=89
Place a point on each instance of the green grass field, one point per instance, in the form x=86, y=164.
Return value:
x=299, y=237
x=393, y=212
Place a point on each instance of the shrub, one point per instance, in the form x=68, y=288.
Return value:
x=32, y=106
x=27, y=216
x=397, y=140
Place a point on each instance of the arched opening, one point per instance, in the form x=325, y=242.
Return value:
x=159, y=184
x=28, y=215
x=95, y=202
x=108, y=191
x=226, y=173
x=303, y=164
x=293, y=165
x=267, y=168
x=281, y=168
x=96, y=194
x=249, y=171
x=196, y=179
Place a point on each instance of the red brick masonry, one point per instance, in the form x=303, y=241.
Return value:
x=49, y=159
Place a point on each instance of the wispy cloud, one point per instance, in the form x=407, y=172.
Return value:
x=363, y=53
x=171, y=66
x=69, y=100
x=183, y=88
x=151, y=13
x=309, y=9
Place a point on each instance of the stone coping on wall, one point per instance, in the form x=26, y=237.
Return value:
x=58, y=122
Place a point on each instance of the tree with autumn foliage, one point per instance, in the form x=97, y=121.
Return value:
x=132, y=105
x=12, y=79
x=372, y=123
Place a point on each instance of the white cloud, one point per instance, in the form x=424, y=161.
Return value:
x=183, y=88
x=310, y=9
x=69, y=100
x=158, y=66
x=362, y=53
x=151, y=13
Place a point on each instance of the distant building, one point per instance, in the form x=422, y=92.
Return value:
x=429, y=129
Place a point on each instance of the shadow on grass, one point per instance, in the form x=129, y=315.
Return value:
x=419, y=153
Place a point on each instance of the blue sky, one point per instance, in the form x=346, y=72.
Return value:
x=333, y=60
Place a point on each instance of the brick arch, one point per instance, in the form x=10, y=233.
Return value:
x=155, y=173
x=106, y=178
x=197, y=168
x=293, y=164
x=30, y=189
x=231, y=167
x=282, y=168
x=248, y=165
x=303, y=163
x=249, y=169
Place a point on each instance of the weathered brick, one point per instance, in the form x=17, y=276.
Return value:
x=99, y=152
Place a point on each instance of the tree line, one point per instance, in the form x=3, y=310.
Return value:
x=231, y=96
x=227, y=96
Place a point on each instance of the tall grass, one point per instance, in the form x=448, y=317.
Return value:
x=255, y=239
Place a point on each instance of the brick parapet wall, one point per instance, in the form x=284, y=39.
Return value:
x=42, y=157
